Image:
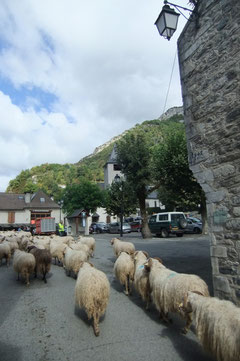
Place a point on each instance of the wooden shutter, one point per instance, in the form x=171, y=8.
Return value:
x=11, y=217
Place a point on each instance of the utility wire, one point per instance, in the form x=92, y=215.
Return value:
x=164, y=108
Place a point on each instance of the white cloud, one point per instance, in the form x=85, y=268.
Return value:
x=105, y=64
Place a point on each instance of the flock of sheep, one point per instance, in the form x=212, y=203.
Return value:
x=217, y=322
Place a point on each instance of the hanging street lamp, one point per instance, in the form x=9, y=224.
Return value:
x=167, y=20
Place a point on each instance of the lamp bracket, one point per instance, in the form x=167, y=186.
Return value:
x=178, y=7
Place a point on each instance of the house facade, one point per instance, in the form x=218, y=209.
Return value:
x=21, y=210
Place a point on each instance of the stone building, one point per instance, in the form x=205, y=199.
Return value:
x=209, y=58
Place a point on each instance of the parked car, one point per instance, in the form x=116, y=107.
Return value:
x=194, y=225
x=115, y=227
x=136, y=226
x=164, y=224
x=99, y=227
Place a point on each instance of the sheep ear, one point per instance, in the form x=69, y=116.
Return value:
x=198, y=293
x=158, y=259
x=145, y=253
x=91, y=264
x=135, y=253
x=148, y=265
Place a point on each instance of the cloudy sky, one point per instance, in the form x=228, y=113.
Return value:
x=75, y=73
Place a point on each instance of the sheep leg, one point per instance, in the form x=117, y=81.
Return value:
x=188, y=323
x=126, y=286
x=18, y=277
x=164, y=317
x=44, y=277
x=96, y=324
x=27, y=279
x=129, y=285
x=148, y=303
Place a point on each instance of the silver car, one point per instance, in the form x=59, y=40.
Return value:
x=194, y=225
x=115, y=227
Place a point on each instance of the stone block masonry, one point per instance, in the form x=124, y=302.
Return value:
x=209, y=61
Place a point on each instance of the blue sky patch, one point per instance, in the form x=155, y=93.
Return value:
x=25, y=97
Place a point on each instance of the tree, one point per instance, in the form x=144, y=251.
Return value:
x=179, y=189
x=134, y=157
x=120, y=199
x=85, y=195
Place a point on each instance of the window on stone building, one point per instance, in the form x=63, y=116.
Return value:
x=39, y=214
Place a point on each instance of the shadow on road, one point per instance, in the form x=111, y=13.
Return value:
x=192, y=350
x=9, y=352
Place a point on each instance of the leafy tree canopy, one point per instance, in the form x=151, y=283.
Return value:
x=179, y=189
x=84, y=195
x=120, y=198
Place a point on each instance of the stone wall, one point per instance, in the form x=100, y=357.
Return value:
x=209, y=59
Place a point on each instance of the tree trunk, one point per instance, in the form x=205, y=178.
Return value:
x=203, y=211
x=146, y=233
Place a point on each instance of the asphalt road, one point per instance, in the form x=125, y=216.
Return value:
x=41, y=322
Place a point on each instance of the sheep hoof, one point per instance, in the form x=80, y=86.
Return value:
x=97, y=332
x=184, y=331
x=126, y=293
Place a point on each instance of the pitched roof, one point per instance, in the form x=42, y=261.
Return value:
x=76, y=213
x=13, y=201
x=113, y=156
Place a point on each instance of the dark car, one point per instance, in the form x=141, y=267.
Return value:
x=99, y=227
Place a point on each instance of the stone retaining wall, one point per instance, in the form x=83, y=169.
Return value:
x=209, y=59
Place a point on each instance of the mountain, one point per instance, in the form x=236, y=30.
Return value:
x=52, y=178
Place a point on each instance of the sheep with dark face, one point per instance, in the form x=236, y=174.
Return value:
x=168, y=288
x=217, y=324
x=43, y=261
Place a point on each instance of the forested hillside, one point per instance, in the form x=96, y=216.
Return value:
x=52, y=178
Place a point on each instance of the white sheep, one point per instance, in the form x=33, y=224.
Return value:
x=217, y=325
x=122, y=246
x=168, y=288
x=124, y=271
x=80, y=247
x=141, y=279
x=42, y=242
x=5, y=252
x=92, y=293
x=57, y=250
x=90, y=242
x=12, y=241
x=24, y=264
x=73, y=260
